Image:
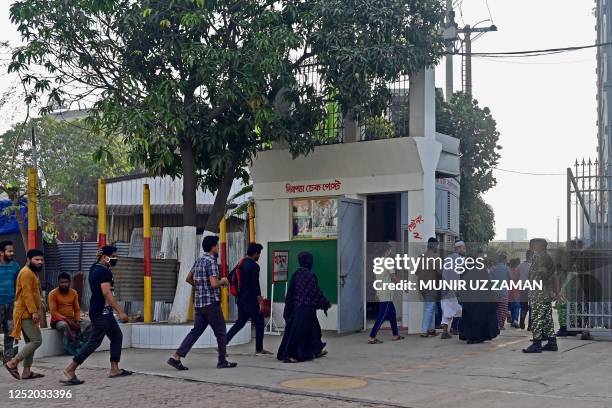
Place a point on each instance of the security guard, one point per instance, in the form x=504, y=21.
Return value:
x=542, y=326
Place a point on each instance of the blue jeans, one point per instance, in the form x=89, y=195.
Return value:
x=515, y=311
x=386, y=311
x=429, y=317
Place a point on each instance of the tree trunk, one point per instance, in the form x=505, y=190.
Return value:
x=187, y=250
x=217, y=211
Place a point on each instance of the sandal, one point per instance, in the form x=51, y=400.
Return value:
x=321, y=354
x=122, y=373
x=33, y=376
x=398, y=338
x=14, y=372
x=291, y=361
x=375, y=341
x=73, y=381
x=177, y=364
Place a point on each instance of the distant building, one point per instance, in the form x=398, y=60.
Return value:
x=516, y=234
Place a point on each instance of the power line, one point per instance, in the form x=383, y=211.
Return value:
x=528, y=173
x=489, y=10
x=530, y=53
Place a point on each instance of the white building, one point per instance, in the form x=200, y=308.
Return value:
x=342, y=198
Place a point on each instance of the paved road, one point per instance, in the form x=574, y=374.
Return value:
x=414, y=373
x=149, y=391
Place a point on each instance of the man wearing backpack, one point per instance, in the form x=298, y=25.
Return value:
x=249, y=297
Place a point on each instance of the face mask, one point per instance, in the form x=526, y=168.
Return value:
x=112, y=261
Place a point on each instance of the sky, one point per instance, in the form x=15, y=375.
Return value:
x=545, y=107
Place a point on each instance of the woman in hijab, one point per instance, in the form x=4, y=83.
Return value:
x=302, y=337
x=479, y=322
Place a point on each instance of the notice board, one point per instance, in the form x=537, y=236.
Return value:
x=325, y=253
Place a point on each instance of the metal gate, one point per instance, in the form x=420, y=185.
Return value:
x=588, y=284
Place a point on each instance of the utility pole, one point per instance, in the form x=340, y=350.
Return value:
x=450, y=36
x=557, y=231
x=467, y=55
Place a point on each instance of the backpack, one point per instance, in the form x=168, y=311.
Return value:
x=234, y=279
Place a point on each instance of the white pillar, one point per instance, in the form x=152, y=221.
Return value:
x=421, y=203
x=187, y=256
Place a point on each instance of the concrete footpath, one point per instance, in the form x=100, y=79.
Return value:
x=414, y=372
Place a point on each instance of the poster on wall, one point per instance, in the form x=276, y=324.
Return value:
x=280, y=266
x=315, y=218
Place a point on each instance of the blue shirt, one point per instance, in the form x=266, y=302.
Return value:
x=203, y=269
x=8, y=276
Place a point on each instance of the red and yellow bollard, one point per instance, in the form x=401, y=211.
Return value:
x=146, y=235
x=32, y=209
x=101, y=212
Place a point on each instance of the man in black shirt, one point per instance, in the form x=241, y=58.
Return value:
x=249, y=298
x=103, y=322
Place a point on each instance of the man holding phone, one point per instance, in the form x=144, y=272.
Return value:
x=103, y=322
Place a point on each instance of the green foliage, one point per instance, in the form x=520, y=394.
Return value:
x=476, y=129
x=195, y=85
x=66, y=157
x=378, y=128
x=69, y=164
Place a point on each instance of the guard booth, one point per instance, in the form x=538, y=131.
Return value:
x=344, y=198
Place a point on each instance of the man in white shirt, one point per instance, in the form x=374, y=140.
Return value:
x=450, y=305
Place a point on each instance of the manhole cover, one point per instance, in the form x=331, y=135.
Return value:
x=325, y=383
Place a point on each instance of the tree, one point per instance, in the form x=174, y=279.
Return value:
x=198, y=87
x=476, y=129
x=69, y=163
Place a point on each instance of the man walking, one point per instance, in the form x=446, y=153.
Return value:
x=103, y=322
x=450, y=304
x=204, y=277
x=542, y=326
x=523, y=270
x=249, y=298
x=25, y=316
x=9, y=269
x=429, y=273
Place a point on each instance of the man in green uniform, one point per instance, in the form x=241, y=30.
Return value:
x=542, y=326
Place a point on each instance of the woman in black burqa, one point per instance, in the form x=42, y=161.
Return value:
x=302, y=337
x=479, y=317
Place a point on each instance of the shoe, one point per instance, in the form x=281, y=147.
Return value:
x=446, y=335
x=551, y=345
x=522, y=325
x=562, y=332
x=263, y=352
x=226, y=364
x=536, y=347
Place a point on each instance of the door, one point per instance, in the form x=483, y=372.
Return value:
x=350, y=268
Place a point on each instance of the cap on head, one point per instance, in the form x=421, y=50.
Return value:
x=32, y=253
x=459, y=244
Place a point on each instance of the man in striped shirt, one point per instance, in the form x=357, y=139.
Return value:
x=204, y=277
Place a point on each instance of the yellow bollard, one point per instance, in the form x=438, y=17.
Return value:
x=223, y=256
x=251, y=221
